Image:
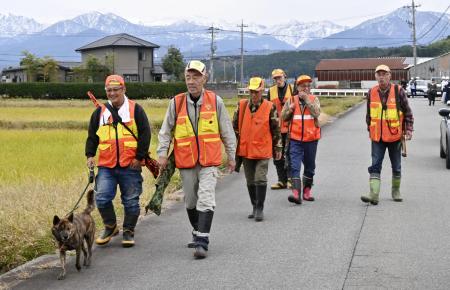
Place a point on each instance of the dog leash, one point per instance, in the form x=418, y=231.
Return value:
x=90, y=180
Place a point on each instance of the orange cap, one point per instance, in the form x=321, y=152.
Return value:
x=278, y=72
x=303, y=79
x=114, y=80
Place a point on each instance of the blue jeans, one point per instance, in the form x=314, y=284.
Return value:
x=378, y=150
x=130, y=184
x=303, y=152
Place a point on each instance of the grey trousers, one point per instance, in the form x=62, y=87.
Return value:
x=199, y=187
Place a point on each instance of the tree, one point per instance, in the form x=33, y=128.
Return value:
x=49, y=69
x=173, y=63
x=31, y=64
x=92, y=70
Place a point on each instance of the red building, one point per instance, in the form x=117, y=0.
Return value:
x=350, y=72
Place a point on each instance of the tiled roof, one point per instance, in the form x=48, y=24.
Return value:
x=394, y=63
x=122, y=39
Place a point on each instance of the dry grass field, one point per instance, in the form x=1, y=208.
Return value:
x=42, y=167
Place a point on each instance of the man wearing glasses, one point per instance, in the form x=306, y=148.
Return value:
x=302, y=112
x=120, y=130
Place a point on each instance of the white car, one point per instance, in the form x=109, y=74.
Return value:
x=421, y=88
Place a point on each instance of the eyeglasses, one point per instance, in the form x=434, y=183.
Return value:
x=110, y=90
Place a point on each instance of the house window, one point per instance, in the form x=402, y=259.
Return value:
x=142, y=55
x=131, y=77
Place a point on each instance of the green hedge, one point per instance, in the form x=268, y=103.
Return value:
x=78, y=90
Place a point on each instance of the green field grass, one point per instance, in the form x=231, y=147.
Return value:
x=42, y=169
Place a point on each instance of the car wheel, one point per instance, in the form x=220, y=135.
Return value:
x=447, y=158
x=442, y=153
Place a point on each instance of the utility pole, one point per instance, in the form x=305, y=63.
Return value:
x=234, y=64
x=242, y=50
x=413, y=25
x=213, y=51
x=224, y=70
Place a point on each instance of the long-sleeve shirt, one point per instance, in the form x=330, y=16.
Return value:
x=314, y=107
x=143, y=127
x=404, y=107
x=273, y=119
x=225, y=128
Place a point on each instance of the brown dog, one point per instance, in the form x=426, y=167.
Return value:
x=70, y=233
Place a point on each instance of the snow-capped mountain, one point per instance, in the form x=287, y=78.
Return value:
x=392, y=29
x=192, y=37
x=12, y=25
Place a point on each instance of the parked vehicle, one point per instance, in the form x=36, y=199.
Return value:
x=445, y=136
x=421, y=88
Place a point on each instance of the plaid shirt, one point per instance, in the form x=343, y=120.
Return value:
x=404, y=107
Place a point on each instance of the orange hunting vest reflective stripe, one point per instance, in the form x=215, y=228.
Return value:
x=255, y=141
x=385, y=125
x=204, y=147
x=284, y=126
x=117, y=143
x=303, y=127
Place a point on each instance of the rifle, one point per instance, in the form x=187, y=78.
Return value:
x=151, y=164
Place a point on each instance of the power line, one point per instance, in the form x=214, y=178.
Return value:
x=437, y=21
x=441, y=33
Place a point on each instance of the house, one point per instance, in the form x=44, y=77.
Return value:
x=19, y=74
x=127, y=55
x=357, y=72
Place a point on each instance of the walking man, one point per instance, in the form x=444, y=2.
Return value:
x=302, y=112
x=121, y=131
x=278, y=95
x=256, y=123
x=199, y=123
x=388, y=118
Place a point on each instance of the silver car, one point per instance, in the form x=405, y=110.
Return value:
x=445, y=136
x=421, y=88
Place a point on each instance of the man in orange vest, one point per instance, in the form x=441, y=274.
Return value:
x=120, y=131
x=198, y=122
x=302, y=112
x=279, y=94
x=388, y=118
x=256, y=123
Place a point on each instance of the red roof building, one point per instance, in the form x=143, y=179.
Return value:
x=359, y=69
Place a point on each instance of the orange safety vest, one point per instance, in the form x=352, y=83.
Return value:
x=284, y=126
x=117, y=142
x=303, y=127
x=205, y=146
x=385, y=124
x=255, y=141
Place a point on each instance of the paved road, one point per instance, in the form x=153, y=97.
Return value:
x=336, y=242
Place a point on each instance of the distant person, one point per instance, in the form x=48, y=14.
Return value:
x=302, y=112
x=432, y=92
x=446, y=93
x=403, y=83
x=279, y=94
x=198, y=122
x=111, y=130
x=256, y=123
x=388, y=117
x=413, y=86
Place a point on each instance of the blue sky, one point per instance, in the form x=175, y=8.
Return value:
x=266, y=12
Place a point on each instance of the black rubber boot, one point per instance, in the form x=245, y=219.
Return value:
x=202, y=239
x=260, y=198
x=252, y=194
x=129, y=223
x=295, y=197
x=109, y=220
x=193, y=219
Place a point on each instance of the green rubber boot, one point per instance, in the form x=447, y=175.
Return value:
x=373, y=196
x=396, y=189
